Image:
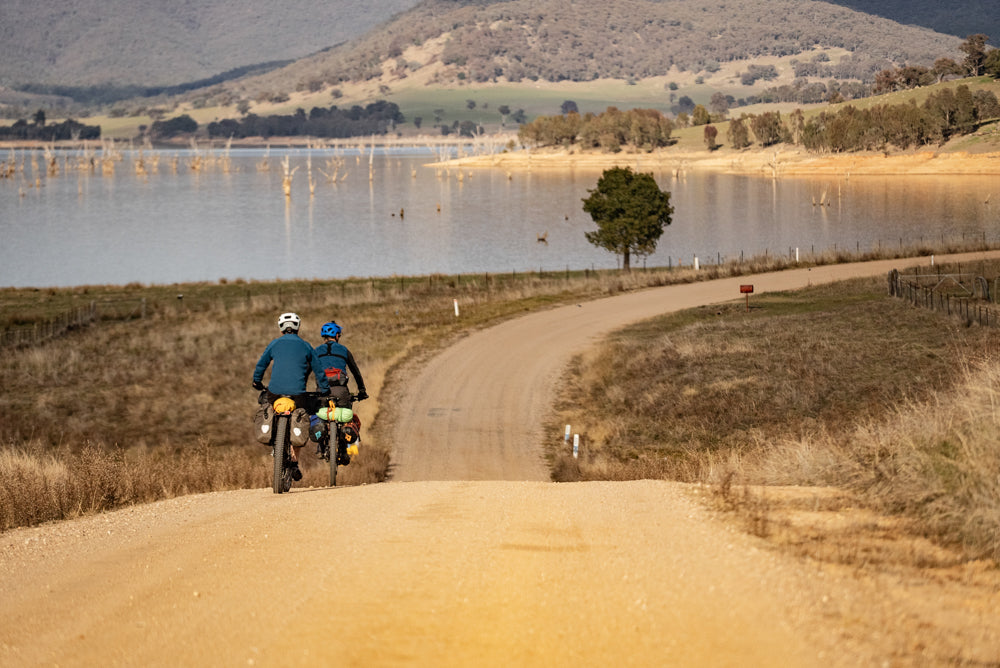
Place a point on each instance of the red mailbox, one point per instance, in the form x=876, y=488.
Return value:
x=747, y=290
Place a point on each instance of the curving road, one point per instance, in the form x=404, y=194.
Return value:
x=474, y=411
x=468, y=558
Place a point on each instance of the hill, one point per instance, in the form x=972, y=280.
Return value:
x=93, y=42
x=446, y=62
x=99, y=42
x=589, y=40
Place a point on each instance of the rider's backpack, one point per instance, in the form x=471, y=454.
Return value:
x=263, y=423
x=334, y=375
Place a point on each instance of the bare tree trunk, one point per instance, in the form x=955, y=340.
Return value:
x=625, y=261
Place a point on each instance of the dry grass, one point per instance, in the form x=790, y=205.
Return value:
x=167, y=399
x=39, y=484
x=937, y=461
x=130, y=411
x=832, y=386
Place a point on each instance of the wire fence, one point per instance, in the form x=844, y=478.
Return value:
x=968, y=297
x=261, y=296
x=18, y=336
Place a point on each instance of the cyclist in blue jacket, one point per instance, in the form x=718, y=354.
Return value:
x=336, y=360
x=294, y=359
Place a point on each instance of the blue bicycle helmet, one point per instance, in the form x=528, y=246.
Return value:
x=331, y=329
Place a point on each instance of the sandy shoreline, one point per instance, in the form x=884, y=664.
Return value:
x=784, y=161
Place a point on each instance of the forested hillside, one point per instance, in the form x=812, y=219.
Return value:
x=631, y=39
x=90, y=42
x=111, y=50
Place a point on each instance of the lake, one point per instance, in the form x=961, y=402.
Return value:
x=196, y=215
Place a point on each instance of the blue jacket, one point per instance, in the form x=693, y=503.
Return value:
x=293, y=360
x=336, y=359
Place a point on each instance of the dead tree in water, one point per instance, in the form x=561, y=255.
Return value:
x=286, y=180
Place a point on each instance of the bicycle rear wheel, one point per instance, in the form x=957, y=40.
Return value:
x=279, y=454
x=331, y=451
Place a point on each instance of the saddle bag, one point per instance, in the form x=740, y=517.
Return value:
x=352, y=431
x=263, y=423
x=298, y=428
x=317, y=428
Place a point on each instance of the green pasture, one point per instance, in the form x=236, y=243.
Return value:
x=437, y=105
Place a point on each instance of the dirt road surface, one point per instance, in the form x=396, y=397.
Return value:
x=474, y=411
x=469, y=557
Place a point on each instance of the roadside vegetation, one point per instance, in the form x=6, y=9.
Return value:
x=944, y=114
x=131, y=409
x=835, y=386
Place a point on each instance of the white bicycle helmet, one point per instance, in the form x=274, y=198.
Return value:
x=289, y=322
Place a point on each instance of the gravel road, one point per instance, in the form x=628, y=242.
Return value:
x=475, y=410
x=469, y=557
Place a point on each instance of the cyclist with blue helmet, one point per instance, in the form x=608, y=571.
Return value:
x=336, y=361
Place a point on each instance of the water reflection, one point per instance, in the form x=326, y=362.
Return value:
x=170, y=225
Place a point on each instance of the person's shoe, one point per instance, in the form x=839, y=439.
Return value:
x=296, y=472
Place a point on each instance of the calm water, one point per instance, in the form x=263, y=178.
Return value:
x=172, y=226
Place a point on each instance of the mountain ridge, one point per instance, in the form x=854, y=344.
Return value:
x=95, y=42
x=588, y=40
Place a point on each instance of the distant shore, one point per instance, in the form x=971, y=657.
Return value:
x=217, y=143
x=784, y=160
x=780, y=161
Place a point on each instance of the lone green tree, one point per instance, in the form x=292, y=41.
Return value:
x=630, y=211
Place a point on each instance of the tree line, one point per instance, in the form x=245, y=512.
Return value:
x=979, y=60
x=945, y=114
x=610, y=130
x=376, y=118
x=38, y=130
